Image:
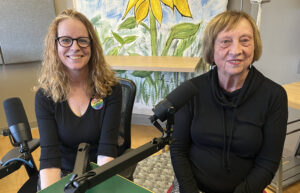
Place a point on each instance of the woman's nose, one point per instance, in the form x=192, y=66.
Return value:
x=236, y=48
x=75, y=45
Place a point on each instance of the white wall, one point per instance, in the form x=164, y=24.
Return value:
x=280, y=32
x=280, y=61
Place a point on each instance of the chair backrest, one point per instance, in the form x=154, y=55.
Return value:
x=128, y=96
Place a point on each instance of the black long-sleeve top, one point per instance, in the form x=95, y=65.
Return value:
x=61, y=131
x=230, y=142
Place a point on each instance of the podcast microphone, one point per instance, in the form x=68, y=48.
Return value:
x=17, y=122
x=174, y=101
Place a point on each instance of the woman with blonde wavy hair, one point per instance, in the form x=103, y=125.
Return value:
x=77, y=96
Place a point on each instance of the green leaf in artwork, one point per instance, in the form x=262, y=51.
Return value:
x=133, y=54
x=129, y=39
x=107, y=39
x=141, y=74
x=183, y=45
x=118, y=38
x=129, y=23
x=145, y=26
x=180, y=31
x=95, y=20
x=184, y=30
x=114, y=51
x=120, y=71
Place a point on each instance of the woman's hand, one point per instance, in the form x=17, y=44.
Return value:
x=49, y=176
x=101, y=159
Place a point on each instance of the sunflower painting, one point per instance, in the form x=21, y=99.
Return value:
x=151, y=28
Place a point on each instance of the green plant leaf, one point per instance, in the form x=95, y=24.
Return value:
x=120, y=71
x=145, y=26
x=145, y=94
x=114, y=51
x=129, y=23
x=118, y=38
x=133, y=54
x=129, y=39
x=184, y=30
x=183, y=45
x=108, y=43
x=167, y=46
x=141, y=74
x=180, y=31
x=96, y=20
x=107, y=39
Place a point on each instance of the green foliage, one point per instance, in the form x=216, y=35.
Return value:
x=120, y=71
x=133, y=54
x=96, y=20
x=181, y=31
x=183, y=45
x=118, y=38
x=145, y=26
x=108, y=40
x=141, y=74
x=114, y=51
x=129, y=23
x=129, y=39
x=151, y=86
x=184, y=30
x=144, y=91
x=121, y=40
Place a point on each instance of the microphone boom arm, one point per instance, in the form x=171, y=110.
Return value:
x=80, y=182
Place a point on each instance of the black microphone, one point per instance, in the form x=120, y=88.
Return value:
x=17, y=121
x=174, y=101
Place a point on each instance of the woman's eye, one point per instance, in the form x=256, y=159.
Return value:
x=66, y=40
x=244, y=40
x=83, y=41
x=225, y=43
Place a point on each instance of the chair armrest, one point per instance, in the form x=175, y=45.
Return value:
x=15, y=152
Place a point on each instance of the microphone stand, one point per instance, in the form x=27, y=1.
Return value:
x=81, y=181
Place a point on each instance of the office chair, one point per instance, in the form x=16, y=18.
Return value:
x=1, y=56
x=13, y=160
x=124, y=141
x=289, y=167
x=128, y=97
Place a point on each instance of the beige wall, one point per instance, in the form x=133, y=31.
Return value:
x=62, y=4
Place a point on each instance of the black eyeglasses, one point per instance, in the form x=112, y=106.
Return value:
x=67, y=42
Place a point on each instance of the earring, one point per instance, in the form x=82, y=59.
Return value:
x=212, y=66
x=250, y=66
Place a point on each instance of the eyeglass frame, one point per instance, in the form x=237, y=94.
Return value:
x=57, y=39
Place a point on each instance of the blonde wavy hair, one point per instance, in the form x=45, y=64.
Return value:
x=227, y=21
x=55, y=81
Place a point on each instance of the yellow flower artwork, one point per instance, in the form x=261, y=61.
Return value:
x=142, y=7
x=152, y=28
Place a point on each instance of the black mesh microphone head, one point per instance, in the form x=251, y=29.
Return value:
x=176, y=99
x=182, y=94
x=17, y=120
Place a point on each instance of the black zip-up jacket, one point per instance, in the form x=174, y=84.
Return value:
x=230, y=142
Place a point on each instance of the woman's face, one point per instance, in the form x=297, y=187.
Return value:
x=234, y=50
x=75, y=58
